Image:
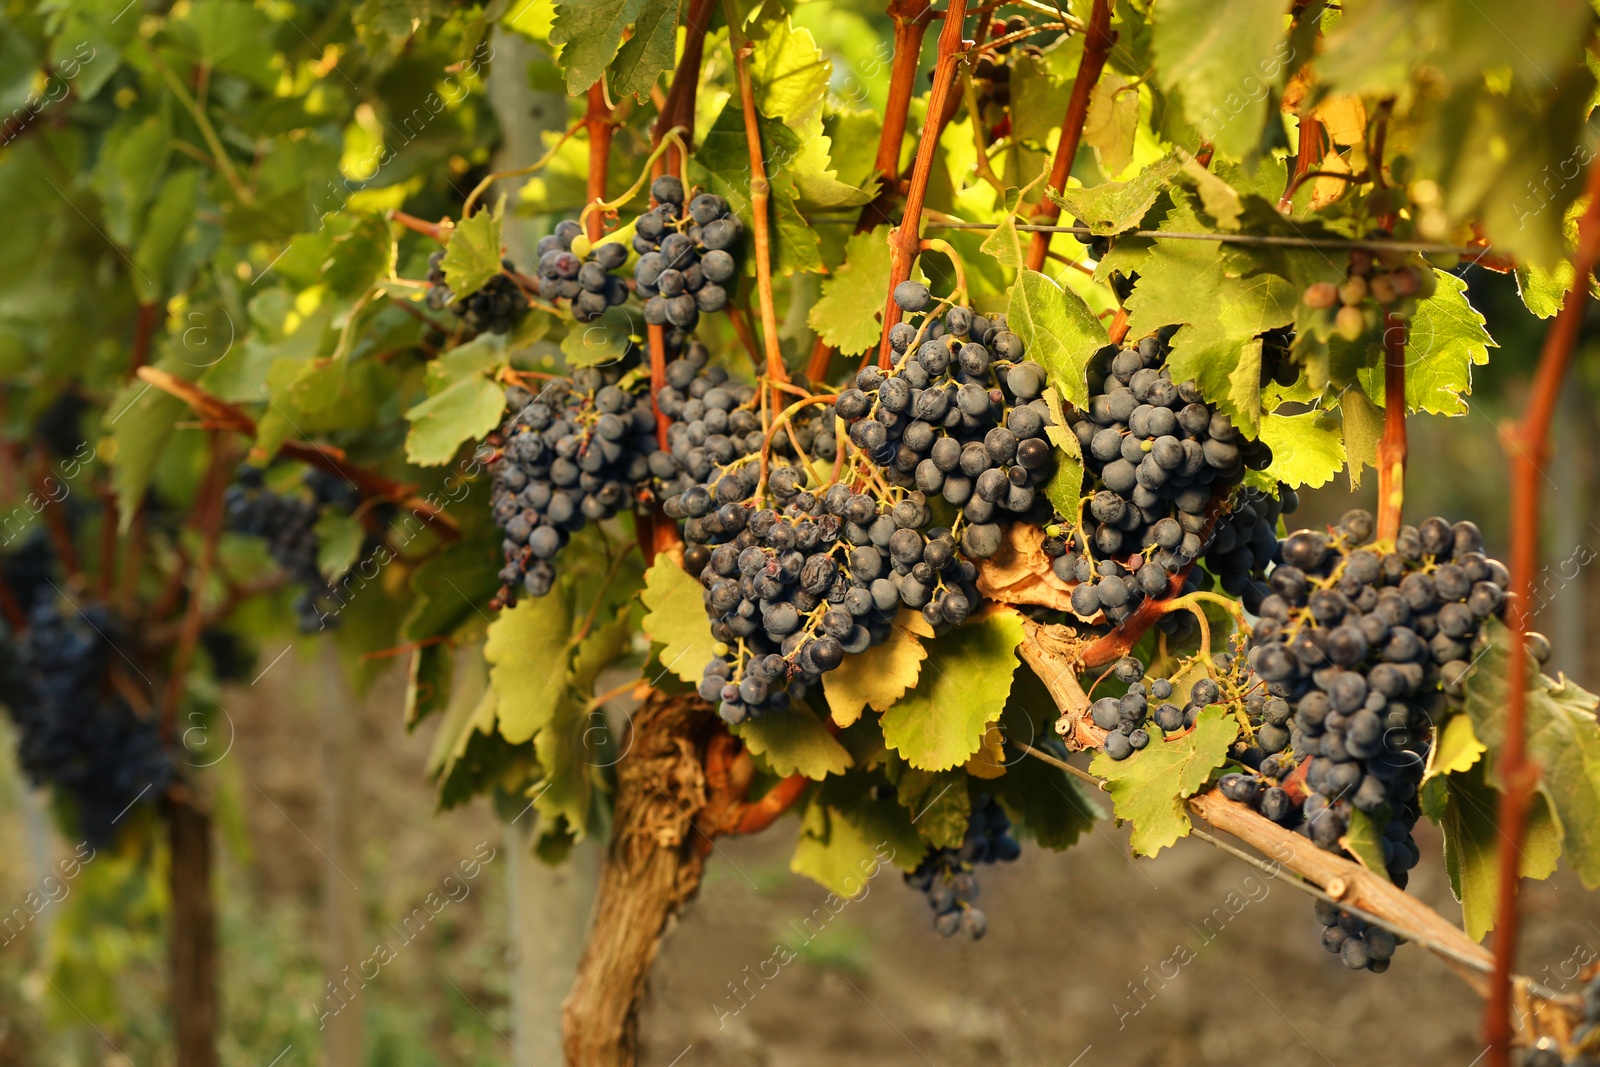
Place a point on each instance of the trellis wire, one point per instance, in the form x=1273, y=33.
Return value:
x=1277, y=240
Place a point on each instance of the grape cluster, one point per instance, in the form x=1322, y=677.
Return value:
x=586, y=282
x=1158, y=458
x=495, y=308
x=1376, y=284
x=991, y=77
x=1359, y=945
x=960, y=413
x=687, y=254
x=28, y=571
x=574, y=454
x=948, y=878
x=288, y=524
x=76, y=734
x=1124, y=717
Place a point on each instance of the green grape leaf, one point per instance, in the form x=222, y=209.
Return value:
x=882, y=674
x=589, y=32
x=1445, y=341
x=1223, y=310
x=1111, y=207
x=648, y=52
x=1065, y=487
x=790, y=76
x=794, y=742
x=941, y=723
x=1307, y=449
x=676, y=620
x=448, y=587
x=1363, y=428
x=1058, y=330
x=1563, y=740
x=429, y=681
x=1217, y=54
x=938, y=804
x=528, y=651
x=836, y=854
x=1467, y=810
x=1542, y=291
x=1363, y=839
x=339, y=539
x=849, y=313
x=484, y=354
x=155, y=256
x=140, y=419
x=601, y=342
x=567, y=745
x=359, y=257
x=472, y=255
x=1148, y=788
x=465, y=411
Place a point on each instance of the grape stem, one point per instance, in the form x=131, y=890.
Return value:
x=597, y=121
x=1098, y=40
x=1392, y=448
x=1527, y=442
x=905, y=241
x=678, y=109
x=937, y=244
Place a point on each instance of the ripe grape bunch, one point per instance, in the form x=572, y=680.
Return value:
x=948, y=878
x=586, y=281
x=495, y=308
x=1157, y=456
x=288, y=524
x=1376, y=284
x=76, y=733
x=991, y=77
x=687, y=254
x=576, y=453
x=960, y=412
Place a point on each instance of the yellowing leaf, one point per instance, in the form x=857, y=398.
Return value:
x=1456, y=748
x=676, y=620
x=880, y=675
x=990, y=762
x=963, y=689
x=1112, y=122
x=1307, y=449
x=528, y=652
x=794, y=742
x=1148, y=788
x=837, y=854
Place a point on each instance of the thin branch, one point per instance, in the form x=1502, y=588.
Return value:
x=1096, y=49
x=207, y=131
x=680, y=103
x=904, y=241
x=541, y=162
x=760, y=814
x=1528, y=443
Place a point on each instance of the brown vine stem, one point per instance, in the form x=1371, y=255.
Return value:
x=1308, y=153
x=1392, y=448
x=1096, y=50
x=207, y=520
x=221, y=415
x=1528, y=442
x=906, y=240
x=416, y=225
x=760, y=192
x=911, y=20
x=680, y=103
x=597, y=121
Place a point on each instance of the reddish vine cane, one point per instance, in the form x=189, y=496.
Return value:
x=1096, y=49
x=1528, y=443
x=906, y=240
